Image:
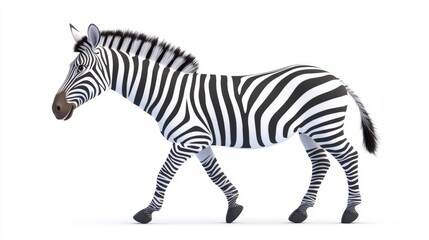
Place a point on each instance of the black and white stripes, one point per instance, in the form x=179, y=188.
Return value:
x=195, y=111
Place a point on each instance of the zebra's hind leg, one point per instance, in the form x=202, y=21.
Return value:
x=339, y=147
x=320, y=165
x=213, y=170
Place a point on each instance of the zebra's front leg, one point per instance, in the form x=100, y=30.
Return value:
x=177, y=156
x=320, y=166
x=213, y=170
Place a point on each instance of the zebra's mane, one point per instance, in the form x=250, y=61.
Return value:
x=138, y=44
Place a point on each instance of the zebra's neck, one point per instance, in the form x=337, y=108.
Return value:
x=144, y=82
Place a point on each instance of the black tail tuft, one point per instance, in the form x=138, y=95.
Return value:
x=370, y=138
x=369, y=135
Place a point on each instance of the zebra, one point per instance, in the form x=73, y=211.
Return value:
x=195, y=111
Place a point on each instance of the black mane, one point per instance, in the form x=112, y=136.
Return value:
x=138, y=44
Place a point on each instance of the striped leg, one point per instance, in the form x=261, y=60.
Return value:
x=177, y=156
x=339, y=147
x=320, y=166
x=209, y=162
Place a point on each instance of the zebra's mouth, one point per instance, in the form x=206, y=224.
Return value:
x=70, y=113
x=61, y=108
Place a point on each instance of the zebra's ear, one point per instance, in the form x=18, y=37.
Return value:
x=93, y=35
x=76, y=34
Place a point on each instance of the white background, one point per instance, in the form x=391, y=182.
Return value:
x=85, y=178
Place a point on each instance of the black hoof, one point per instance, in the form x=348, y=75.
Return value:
x=233, y=213
x=144, y=216
x=349, y=215
x=298, y=216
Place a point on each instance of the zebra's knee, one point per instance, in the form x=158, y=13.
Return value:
x=326, y=163
x=321, y=164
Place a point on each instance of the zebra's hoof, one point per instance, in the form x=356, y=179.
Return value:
x=349, y=215
x=298, y=216
x=144, y=216
x=233, y=213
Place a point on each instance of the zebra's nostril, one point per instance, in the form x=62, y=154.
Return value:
x=58, y=108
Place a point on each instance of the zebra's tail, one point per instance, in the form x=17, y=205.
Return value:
x=369, y=134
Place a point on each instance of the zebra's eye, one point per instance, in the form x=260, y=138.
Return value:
x=81, y=68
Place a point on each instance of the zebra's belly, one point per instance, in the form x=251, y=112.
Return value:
x=252, y=144
x=252, y=140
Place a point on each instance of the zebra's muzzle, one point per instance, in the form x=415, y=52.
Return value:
x=61, y=108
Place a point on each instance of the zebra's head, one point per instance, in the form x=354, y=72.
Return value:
x=86, y=78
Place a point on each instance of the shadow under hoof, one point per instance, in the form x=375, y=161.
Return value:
x=144, y=216
x=298, y=216
x=233, y=213
x=349, y=215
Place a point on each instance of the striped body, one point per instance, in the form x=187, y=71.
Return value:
x=235, y=111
